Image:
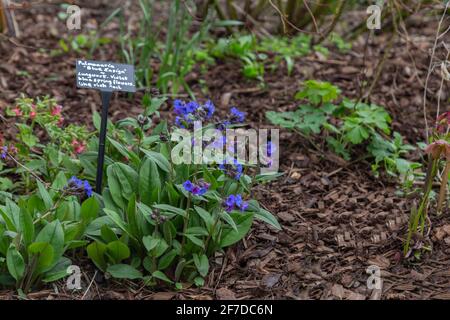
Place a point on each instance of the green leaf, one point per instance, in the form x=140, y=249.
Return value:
x=357, y=134
x=26, y=226
x=115, y=217
x=228, y=219
x=161, y=276
x=59, y=271
x=45, y=195
x=44, y=253
x=124, y=271
x=90, y=209
x=166, y=260
x=53, y=233
x=118, y=251
x=195, y=240
x=15, y=263
x=172, y=209
x=150, y=243
x=263, y=215
x=206, y=217
x=96, y=252
x=149, y=182
x=202, y=264
x=243, y=223
x=158, y=158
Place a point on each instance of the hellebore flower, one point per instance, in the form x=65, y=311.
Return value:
x=438, y=148
x=443, y=122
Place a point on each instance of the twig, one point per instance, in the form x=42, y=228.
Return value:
x=27, y=169
x=286, y=21
x=336, y=18
x=90, y=284
x=430, y=68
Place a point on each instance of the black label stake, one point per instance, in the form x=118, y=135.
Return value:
x=106, y=77
x=106, y=98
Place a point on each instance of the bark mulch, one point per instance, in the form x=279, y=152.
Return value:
x=337, y=217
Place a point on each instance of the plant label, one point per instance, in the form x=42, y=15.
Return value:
x=105, y=76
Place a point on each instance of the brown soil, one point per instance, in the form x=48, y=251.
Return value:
x=337, y=218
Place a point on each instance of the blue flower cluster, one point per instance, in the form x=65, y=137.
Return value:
x=198, y=189
x=79, y=184
x=191, y=111
x=271, y=148
x=237, y=116
x=232, y=168
x=4, y=152
x=235, y=201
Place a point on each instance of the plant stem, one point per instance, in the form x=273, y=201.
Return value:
x=185, y=224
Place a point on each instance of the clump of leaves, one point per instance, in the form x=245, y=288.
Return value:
x=346, y=125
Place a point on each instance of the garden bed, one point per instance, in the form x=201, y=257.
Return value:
x=337, y=218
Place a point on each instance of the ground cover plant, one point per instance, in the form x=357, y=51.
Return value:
x=154, y=220
x=347, y=100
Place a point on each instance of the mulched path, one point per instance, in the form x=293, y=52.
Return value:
x=337, y=218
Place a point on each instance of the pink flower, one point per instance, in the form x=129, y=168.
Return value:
x=80, y=149
x=60, y=121
x=57, y=110
x=78, y=146
x=438, y=148
x=33, y=112
x=17, y=111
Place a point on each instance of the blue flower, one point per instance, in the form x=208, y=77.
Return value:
x=271, y=148
x=179, y=122
x=188, y=186
x=237, y=116
x=180, y=107
x=235, y=201
x=191, y=107
x=230, y=203
x=209, y=108
x=87, y=188
x=232, y=168
x=76, y=183
x=198, y=189
x=4, y=152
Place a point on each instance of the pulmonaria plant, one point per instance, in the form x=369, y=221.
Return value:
x=45, y=114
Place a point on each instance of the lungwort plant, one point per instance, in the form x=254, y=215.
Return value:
x=163, y=220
